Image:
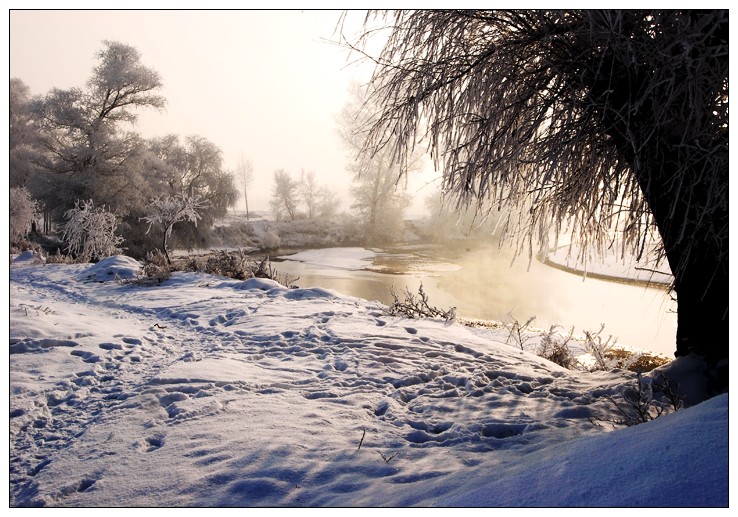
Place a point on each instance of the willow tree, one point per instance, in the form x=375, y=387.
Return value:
x=612, y=125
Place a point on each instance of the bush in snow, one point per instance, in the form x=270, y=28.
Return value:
x=555, y=348
x=169, y=210
x=90, y=232
x=518, y=333
x=23, y=212
x=238, y=265
x=418, y=307
x=601, y=351
x=646, y=400
x=233, y=265
x=271, y=240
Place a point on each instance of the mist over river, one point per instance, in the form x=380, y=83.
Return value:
x=484, y=283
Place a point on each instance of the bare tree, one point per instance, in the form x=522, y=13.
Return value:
x=310, y=191
x=605, y=124
x=379, y=200
x=245, y=177
x=284, y=195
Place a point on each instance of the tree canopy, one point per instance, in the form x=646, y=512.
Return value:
x=609, y=125
x=79, y=144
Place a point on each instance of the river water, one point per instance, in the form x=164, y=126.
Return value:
x=485, y=283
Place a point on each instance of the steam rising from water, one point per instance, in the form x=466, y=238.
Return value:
x=482, y=284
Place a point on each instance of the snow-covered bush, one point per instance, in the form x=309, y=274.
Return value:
x=169, y=210
x=555, y=348
x=233, y=265
x=271, y=240
x=646, y=400
x=518, y=334
x=23, y=212
x=90, y=232
x=599, y=350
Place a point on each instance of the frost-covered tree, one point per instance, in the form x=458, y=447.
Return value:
x=379, y=202
x=24, y=211
x=605, y=123
x=169, y=210
x=189, y=168
x=23, y=136
x=284, y=196
x=90, y=232
x=89, y=151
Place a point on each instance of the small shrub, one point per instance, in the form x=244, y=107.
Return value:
x=418, y=307
x=90, y=232
x=233, y=265
x=518, y=334
x=264, y=269
x=599, y=349
x=237, y=265
x=156, y=266
x=646, y=400
x=555, y=348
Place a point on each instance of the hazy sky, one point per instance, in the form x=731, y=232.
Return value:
x=265, y=84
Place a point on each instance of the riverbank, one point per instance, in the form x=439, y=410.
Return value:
x=647, y=272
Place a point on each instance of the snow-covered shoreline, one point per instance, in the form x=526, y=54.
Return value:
x=207, y=391
x=612, y=267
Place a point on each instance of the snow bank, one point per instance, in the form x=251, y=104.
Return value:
x=111, y=268
x=662, y=463
x=611, y=266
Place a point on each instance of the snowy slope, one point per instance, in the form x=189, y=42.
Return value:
x=206, y=391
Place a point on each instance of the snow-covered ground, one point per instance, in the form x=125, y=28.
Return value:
x=207, y=391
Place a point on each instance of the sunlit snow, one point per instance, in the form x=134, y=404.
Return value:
x=207, y=391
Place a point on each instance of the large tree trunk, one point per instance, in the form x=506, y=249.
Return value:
x=678, y=184
x=700, y=265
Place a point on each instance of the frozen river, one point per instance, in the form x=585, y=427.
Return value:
x=485, y=283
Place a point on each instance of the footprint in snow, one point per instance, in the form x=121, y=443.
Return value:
x=154, y=442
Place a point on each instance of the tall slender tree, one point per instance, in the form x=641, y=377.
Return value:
x=245, y=177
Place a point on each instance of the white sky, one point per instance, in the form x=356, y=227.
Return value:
x=263, y=84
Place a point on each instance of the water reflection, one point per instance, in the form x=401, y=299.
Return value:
x=485, y=283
